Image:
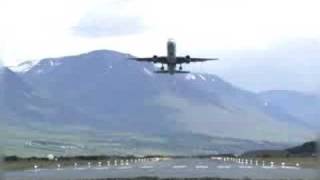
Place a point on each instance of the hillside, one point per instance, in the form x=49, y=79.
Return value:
x=100, y=101
x=308, y=149
x=297, y=104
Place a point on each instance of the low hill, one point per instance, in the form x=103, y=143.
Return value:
x=308, y=149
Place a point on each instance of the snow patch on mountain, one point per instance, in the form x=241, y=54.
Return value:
x=24, y=67
x=190, y=77
x=202, y=77
x=27, y=95
x=147, y=71
x=39, y=71
x=54, y=63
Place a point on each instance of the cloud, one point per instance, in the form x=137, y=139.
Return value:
x=1, y=63
x=292, y=65
x=108, y=26
x=115, y=20
x=243, y=34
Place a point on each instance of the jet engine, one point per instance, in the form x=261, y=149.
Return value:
x=188, y=58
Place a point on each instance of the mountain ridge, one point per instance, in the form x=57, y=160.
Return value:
x=106, y=92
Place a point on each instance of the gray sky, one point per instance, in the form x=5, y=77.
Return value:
x=263, y=44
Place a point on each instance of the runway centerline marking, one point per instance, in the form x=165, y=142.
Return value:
x=179, y=166
x=146, y=167
x=223, y=167
x=245, y=167
x=201, y=167
x=125, y=167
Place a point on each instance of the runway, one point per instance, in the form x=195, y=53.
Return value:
x=231, y=168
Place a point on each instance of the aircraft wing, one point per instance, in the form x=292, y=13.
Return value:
x=152, y=59
x=181, y=60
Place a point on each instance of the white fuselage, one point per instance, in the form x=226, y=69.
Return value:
x=171, y=56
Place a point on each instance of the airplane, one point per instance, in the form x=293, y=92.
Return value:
x=172, y=60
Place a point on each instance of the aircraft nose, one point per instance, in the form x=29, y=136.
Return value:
x=171, y=40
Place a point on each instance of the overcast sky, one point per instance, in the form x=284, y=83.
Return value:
x=263, y=44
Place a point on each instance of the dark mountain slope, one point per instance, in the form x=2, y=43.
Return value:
x=118, y=94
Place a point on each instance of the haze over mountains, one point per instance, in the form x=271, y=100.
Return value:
x=103, y=97
x=299, y=105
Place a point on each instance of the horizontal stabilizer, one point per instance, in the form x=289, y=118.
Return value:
x=168, y=72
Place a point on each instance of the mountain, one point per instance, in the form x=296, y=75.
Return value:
x=15, y=95
x=103, y=99
x=308, y=149
x=297, y=104
x=20, y=101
